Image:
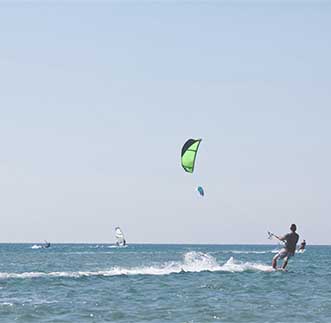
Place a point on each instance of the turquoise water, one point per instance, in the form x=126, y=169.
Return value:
x=162, y=283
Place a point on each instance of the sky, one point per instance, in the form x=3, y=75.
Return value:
x=97, y=99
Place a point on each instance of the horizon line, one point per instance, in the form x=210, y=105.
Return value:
x=162, y=243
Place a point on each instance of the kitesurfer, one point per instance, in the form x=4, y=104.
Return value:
x=288, y=251
x=302, y=245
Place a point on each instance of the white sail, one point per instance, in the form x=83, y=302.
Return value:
x=120, y=240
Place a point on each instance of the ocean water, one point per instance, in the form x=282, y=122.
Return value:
x=162, y=283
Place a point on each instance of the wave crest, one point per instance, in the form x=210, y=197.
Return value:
x=193, y=262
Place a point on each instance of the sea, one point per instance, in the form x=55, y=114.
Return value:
x=162, y=283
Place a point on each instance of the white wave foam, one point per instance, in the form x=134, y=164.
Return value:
x=238, y=266
x=6, y=304
x=36, y=246
x=193, y=262
x=198, y=261
x=300, y=251
x=247, y=251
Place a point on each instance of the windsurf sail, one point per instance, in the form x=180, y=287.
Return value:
x=120, y=240
x=189, y=154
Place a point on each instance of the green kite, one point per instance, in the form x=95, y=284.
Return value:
x=189, y=153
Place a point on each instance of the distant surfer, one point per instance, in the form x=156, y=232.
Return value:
x=288, y=251
x=302, y=246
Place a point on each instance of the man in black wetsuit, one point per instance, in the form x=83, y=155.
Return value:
x=288, y=251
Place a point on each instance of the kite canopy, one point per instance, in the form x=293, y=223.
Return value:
x=189, y=153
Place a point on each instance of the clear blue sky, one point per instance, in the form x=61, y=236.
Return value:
x=96, y=100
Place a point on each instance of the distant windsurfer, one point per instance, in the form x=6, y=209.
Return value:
x=47, y=245
x=302, y=245
x=120, y=240
x=288, y=251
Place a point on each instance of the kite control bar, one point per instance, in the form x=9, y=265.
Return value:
x=272, y=235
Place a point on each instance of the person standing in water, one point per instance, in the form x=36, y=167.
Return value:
x=288, y=251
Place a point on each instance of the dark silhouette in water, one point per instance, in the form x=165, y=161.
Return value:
x=47, y=245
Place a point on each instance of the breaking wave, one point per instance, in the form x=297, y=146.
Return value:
x=36, y=246
x=193, y=262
